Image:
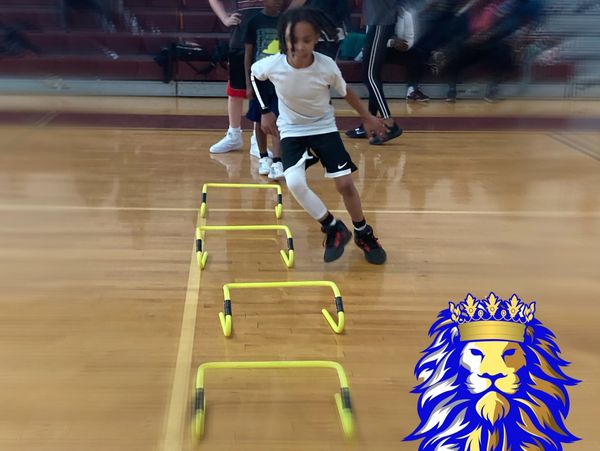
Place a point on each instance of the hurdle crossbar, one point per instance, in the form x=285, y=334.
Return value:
x=342, y=399
x=278, y=207
x=202, y=256
x=226, y=316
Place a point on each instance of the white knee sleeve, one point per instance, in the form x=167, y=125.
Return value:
x=295, y=179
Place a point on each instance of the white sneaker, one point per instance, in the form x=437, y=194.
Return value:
x=254, y=151
x=276, y=172
x=231, y=141
x=264, y=165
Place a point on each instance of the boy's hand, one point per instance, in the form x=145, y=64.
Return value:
x=268, y=124
x=374, y=126
x=232, y=20
x=249, y=91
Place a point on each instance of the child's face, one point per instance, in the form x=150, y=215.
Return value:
x=304, y=41
x=273, y=6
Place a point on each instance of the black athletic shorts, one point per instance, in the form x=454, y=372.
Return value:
x=237, y=72
x=328, y=148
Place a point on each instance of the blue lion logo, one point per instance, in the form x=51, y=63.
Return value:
x=492, y=380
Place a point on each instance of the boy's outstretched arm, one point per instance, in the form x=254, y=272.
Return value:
x=372, y=125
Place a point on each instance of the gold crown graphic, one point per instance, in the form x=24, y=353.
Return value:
x=492, y=318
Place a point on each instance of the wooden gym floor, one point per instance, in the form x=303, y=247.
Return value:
x=105, y=316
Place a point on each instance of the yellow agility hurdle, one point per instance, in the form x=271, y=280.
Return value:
x=202, y=256
x=225, y=317
x=278, y=207
x=342, y=399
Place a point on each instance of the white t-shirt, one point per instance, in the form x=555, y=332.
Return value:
x=304, y=101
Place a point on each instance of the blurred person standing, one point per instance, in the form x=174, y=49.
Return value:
x=243, y=11
x=492, y=25
x=407, y=50
x=261, y=40
x=380, y=18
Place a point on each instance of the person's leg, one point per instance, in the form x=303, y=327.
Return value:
x=254, y=114
x=374, y=55
x=363, y=232
x=255, y=150
x=264, y=162
x=345, y=186
x=236, y=92
x=459, y=61
x=276, y=171
x=235, y=106
x=295, y=178
x=295, y=156
x=502, y=65
x=339, y=166
x=415, y=63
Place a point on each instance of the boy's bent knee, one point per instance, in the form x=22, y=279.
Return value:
x=344, y=185
x=295, y=179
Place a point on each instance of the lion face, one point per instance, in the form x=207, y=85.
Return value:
x=493, y=365
x=490, y=395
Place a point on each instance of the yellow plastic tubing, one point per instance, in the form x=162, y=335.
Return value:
x=287, y=257
x=278, y=207
x=225, y=317
x=342, y=399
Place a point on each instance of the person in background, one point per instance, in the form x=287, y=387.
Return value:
x=380, y=19
x=492, y=25
x=260, y=42
x=236, y=86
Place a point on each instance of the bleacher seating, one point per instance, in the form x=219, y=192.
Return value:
x=86, y=51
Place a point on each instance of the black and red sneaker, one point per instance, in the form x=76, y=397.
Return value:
x=365, y=239
x=337, y=237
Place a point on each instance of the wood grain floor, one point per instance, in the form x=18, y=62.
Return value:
x=105, y=317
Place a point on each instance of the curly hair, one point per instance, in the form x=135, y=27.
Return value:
x=315, y=17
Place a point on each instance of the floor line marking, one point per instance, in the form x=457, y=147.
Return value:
x=179, y=403
x=571, y=144
x=523, y=213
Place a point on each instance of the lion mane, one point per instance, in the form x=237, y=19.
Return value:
x=451, y=419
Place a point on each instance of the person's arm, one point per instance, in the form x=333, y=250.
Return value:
x=268, y=121
x=248, y=56
x=404, y=42
x=371, y=124
x=409, y=29
x=229, y=20
x=258, y=77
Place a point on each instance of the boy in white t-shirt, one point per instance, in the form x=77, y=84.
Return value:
x=306, y=123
